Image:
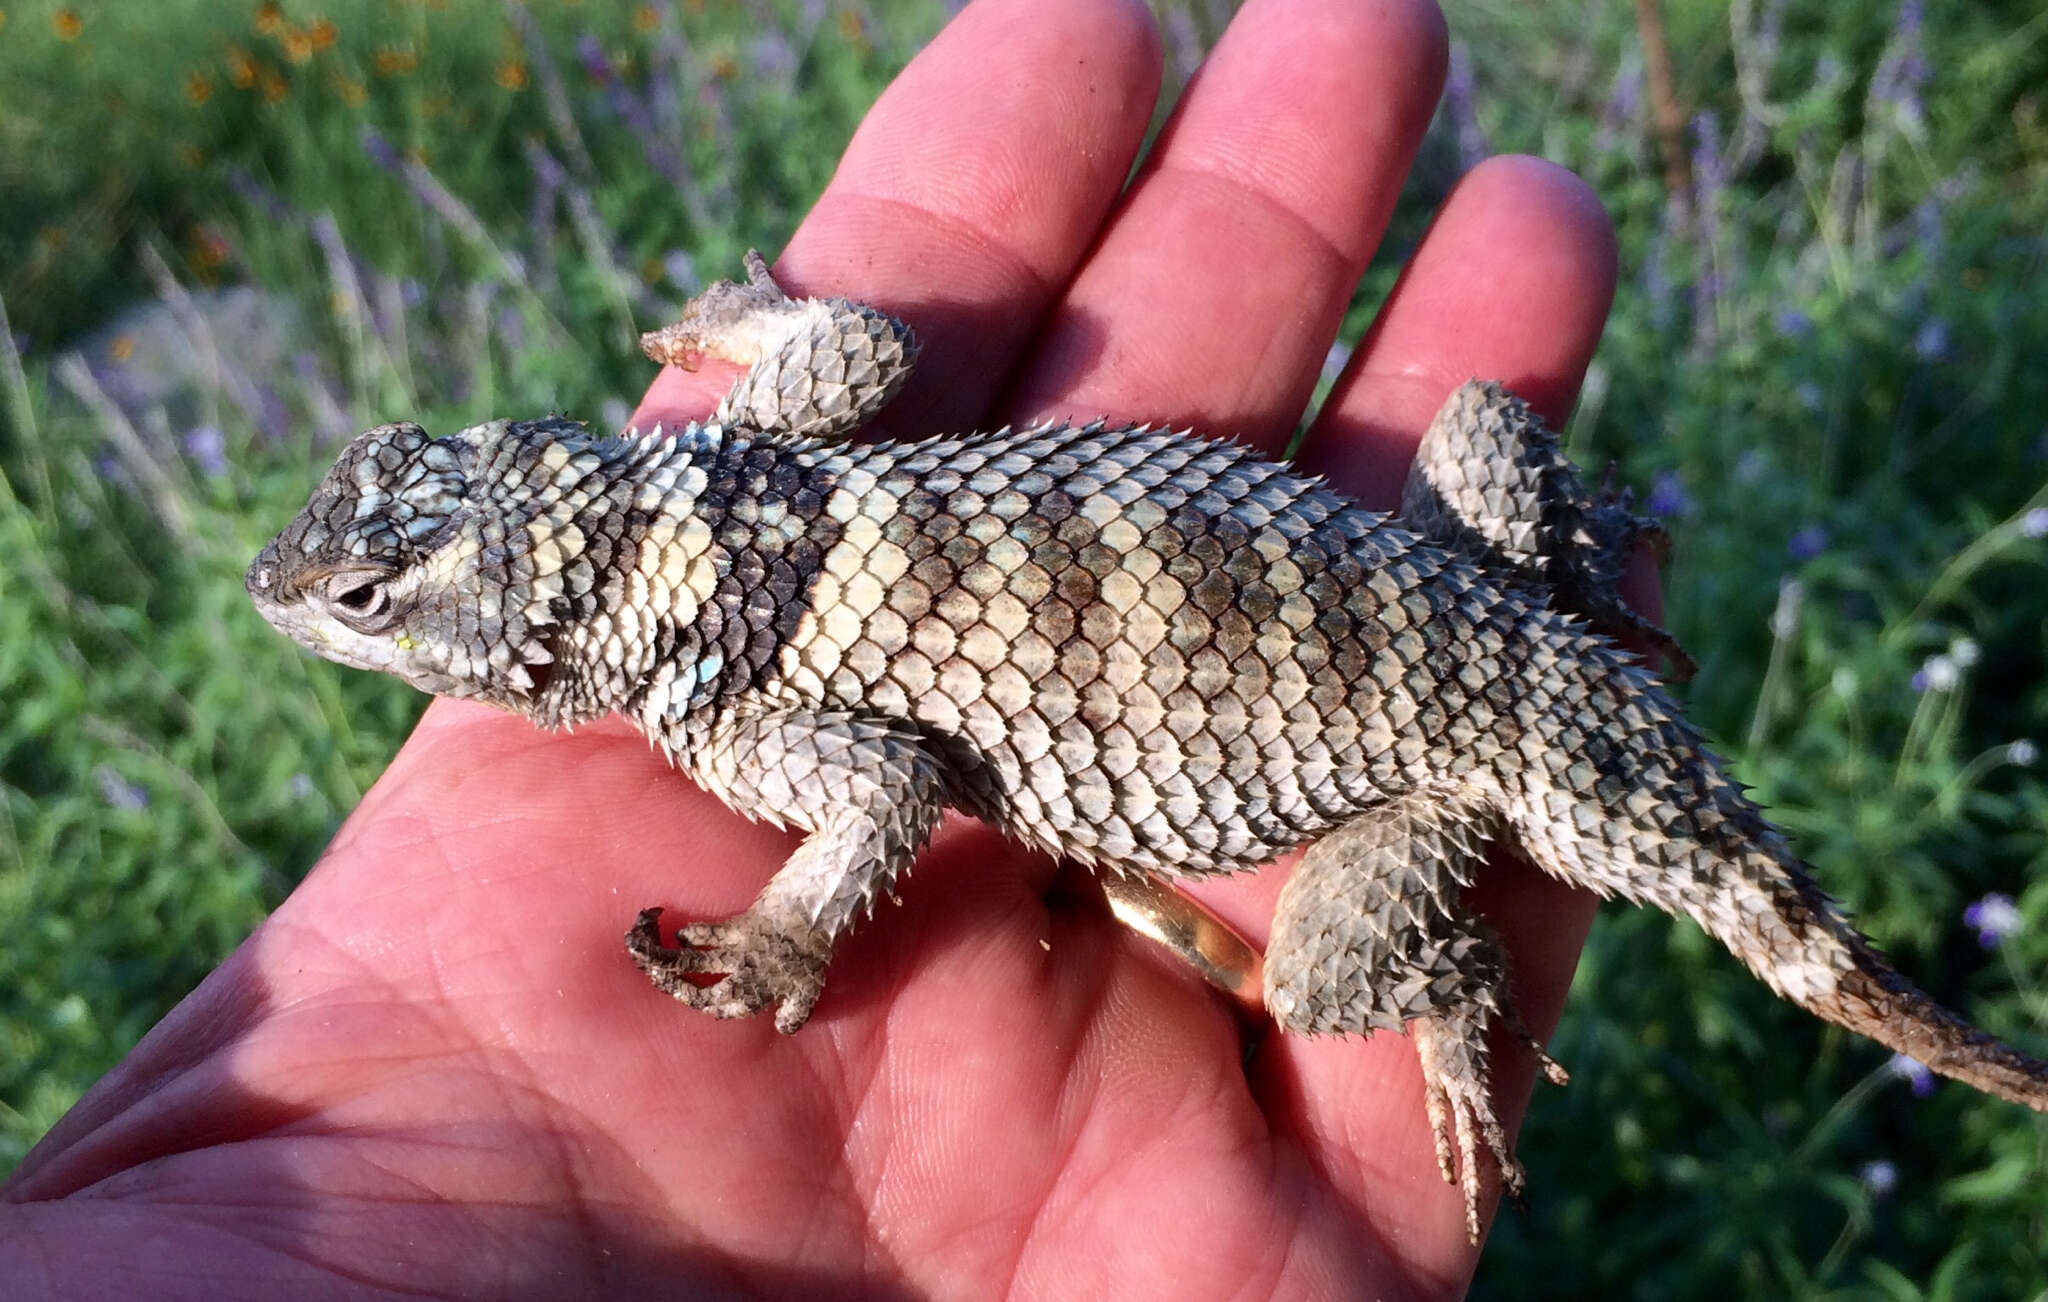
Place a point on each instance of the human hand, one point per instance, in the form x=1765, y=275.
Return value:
x=434, y=1068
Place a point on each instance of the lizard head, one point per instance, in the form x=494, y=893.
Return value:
x=383, y=569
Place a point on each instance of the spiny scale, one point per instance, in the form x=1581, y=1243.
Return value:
x=1139, y=648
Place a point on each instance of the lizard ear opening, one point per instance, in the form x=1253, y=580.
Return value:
x=533, y=673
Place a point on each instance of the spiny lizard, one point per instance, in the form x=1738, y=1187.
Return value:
x=1144, y=650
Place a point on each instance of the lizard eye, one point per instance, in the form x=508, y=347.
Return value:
x=358, y=599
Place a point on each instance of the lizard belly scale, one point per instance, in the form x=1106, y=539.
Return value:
x=1135, y=647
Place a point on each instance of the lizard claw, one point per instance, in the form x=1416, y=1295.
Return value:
x=762, y=966
x=1458, y=1096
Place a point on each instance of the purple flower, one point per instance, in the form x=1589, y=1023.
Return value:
x=1183, y=43
x=2034, y=524
x=1764, y=52
x=108, y=467
x=1995, y=918
x=1657, y=286
x=512, y=329
x=681, y=270
x=1808, y=395
x=208, y=449
x=1709, y=174
x=1930, y=341
x=1913, y=1072
x=629, y=108
x=1879, y=1178
x=1927, y=230
x=300, y=786
x=380, y=151
x=1903, y=70
x=774, y=58
x=1626, y=98
x=1336, y=359
x=1710, y=186
x=1808, y=543
x=119, y=791
x=259, y=195
x=590, y=53
x=1668, y=496
x=273, y=417
x=1794, y=323
x=1458, y=106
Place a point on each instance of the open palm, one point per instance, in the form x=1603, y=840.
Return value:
x=434, y=1071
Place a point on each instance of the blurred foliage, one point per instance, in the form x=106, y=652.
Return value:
x=230, y=235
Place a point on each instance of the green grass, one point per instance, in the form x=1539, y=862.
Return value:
x=1832, y=375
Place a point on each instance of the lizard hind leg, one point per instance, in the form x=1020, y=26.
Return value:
x=1370, y=934
x=1492, y=482
x=816, y=367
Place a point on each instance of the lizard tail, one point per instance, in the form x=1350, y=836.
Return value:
x=1810, y=952
x=1637, y=806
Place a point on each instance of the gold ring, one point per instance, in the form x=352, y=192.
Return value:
x=1204, y=941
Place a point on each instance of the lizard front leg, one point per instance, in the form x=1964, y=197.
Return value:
x=816, y=367
x=869, y=793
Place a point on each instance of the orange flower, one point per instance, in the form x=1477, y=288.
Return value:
x=394, y=61
x=209, y=247
x=269, y=18
x=198, y=87
x=67, y=24
x=241, y=68
x=724, y=67
x=646, y=18
x=322, y=33
x=298, y=46
x=512, y=74
x=351, y=91
x=273, y=87
x=122, y=348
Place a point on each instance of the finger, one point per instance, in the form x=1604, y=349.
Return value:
x=1218, y=285
x=1512, y=280
x=971, y=191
